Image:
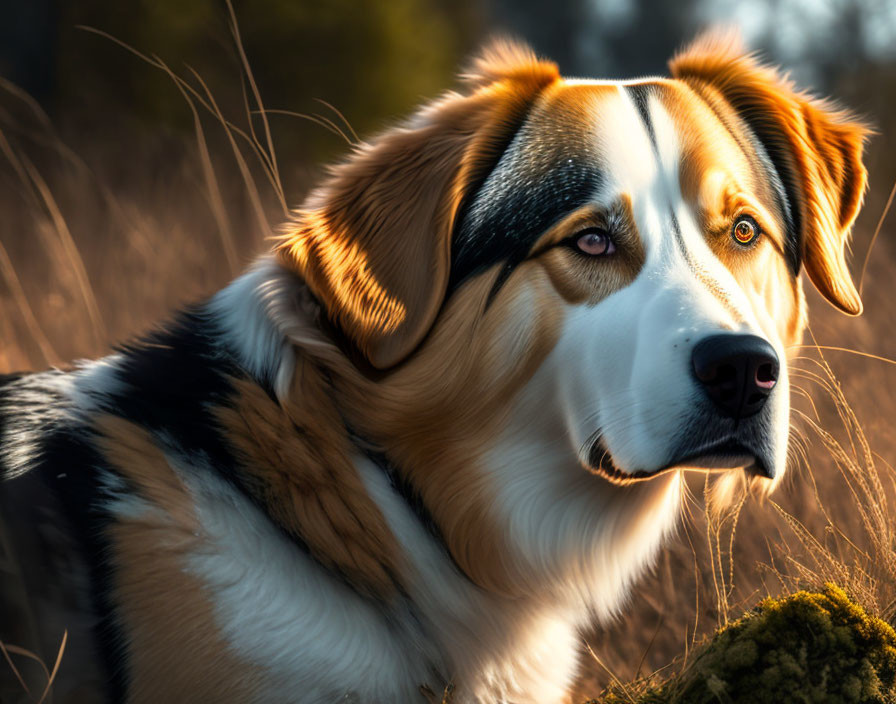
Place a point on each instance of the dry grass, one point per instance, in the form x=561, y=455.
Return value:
x=49, y=675
x=831, y=521
x=808, y=646
x=98, y=243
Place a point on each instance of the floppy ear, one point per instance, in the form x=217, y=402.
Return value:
x=374, y=241
x=815, y=149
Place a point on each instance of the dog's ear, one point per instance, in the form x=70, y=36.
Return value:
x=815, y=149
x=374, y=241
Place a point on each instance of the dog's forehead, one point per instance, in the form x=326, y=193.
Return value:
x=644, y=130
x=591, y=142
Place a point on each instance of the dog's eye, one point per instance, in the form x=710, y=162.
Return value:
x=594, y=243
x=745, y=230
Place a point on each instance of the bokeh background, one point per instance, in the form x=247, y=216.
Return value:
x=130, y=185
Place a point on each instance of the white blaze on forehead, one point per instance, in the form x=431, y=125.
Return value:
x=637, y=166
x=642, y=167
x=621, y=370
x=667, y=146
x=642, y=154
x=624, y=146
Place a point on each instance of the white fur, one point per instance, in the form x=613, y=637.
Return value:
x=576, y=540
x=20, y=437
x=623, y=363
x=315, y=636
x=94, y=381
x=241, y=310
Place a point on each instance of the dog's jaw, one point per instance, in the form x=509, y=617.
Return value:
x=575, y=538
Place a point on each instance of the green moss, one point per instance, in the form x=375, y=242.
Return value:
x=817, y=647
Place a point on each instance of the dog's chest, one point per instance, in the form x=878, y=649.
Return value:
x=307, y=631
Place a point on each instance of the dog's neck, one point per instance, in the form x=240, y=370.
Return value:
x=496, y=484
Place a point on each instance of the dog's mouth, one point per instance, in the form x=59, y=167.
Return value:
x=722, y=456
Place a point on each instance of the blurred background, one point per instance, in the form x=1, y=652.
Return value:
x=137, y=174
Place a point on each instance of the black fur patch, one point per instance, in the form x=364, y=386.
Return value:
x=785, y=182
x=534, y=184
x=46, y=453
x=171, y=379
x=640, y=94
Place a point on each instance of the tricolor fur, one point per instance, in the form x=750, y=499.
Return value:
x=428, y=437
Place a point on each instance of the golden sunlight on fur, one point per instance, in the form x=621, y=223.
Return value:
x=396, y=212
x=298, y=457
x=821, y=146
x=450, y=421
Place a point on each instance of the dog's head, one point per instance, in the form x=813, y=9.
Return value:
x=644, y=238
x=609, y=267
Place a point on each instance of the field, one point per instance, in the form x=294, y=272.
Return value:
x=102, y=238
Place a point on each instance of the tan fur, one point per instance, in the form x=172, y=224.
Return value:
x=359, y=245
x=436, y=413
x=177, y=652
x=722, y=179
x=179, y=655
x=429, y=381
x=580, y=279
x=297, y=458
x=130, y=448
x=373, y=242
x=508, y=60
x=820, y=146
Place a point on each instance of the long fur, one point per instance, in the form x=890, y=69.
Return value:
x=430, y=436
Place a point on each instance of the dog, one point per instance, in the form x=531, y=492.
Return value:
x=442, y=425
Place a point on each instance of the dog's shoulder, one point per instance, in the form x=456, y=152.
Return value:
x=86, y=454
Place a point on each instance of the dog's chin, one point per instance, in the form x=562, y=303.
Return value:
x=720, y=457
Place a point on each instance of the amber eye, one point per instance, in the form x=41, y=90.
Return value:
x=745, y=230
x=595, y=243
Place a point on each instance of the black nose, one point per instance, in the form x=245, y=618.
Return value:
x=737, y=372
